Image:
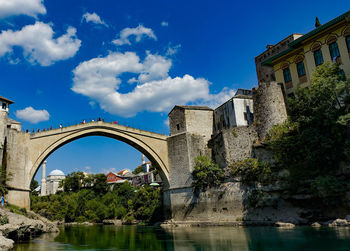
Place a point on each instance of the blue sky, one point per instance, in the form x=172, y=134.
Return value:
x=131, y=61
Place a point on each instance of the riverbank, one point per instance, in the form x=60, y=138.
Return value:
x=15, y=227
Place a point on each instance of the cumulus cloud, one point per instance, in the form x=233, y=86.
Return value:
x=21, y=7
x=164, y=24
x=99, y=79
x=33, y=116
x=93, y=18
x=139, y=32
x=215, y=100
x=39, y=45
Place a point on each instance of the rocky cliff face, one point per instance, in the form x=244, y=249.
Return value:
x=17, y=227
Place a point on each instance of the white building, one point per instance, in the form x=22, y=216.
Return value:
x=238, y=111
x=51, y=184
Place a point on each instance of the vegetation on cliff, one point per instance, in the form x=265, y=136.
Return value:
x=314, y=143
x=206, y=173
x=90, y=199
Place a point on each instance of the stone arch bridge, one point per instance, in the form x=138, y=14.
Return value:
x=33, y=149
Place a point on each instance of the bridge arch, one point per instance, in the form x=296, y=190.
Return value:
x=153, y=145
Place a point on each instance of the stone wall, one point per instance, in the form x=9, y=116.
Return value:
x=269, y=107
x=233, y=144
x=3, y=126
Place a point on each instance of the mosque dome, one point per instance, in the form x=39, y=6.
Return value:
x=56, y=173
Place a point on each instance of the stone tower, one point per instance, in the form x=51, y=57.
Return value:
x=4, y=112
x=269, y=107
x=191, y=128
x=43, y=179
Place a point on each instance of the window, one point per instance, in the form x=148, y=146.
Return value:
x=286, y=75
x=4, y=106
x=348, y=42
x=301, y=69
x=178, y=126
x=318, y=57
x=333, y=49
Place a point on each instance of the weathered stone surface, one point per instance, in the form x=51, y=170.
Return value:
x=316, y=224
x=269, y=107
x=5, y=244
x=21, y=227
x=339, y=223
x=233, y=144
x=284, y=224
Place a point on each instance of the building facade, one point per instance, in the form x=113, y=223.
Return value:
x=237, y=111
x=329, y=42
x=265, y=73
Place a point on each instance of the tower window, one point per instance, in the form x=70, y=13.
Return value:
x=4, y=106
x=178, y=127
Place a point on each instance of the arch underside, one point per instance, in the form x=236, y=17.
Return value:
x=154, y=148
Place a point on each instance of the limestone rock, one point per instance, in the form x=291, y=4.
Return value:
x=284, y=224
x=339, y=223
x=5, y=244
x=316, y=224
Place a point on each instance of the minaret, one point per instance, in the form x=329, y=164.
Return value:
x=143, y=159
x=43, y=179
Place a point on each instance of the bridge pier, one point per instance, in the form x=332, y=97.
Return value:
x=20, y=198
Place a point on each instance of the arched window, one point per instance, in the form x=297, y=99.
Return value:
x=316, y=49
x=333, y=48
x=346, y=34
x=287, y=76
x=299, y=61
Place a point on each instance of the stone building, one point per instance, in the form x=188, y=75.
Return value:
x=5, y=124
x=51, y=184
x=329, y=42
x=238, y=111
x=265, y=73
x=53, y=181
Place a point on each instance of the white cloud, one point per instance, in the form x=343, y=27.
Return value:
x=164, y=24
x=139, y=32
x=93, y=17
x=33, y=116
x=166, y=122
x=21, y=7
x=173, y=50
x=38, y=43
x=156, y=91
x=215, y=100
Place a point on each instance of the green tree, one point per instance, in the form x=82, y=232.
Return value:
x=73, y=181
x=314, y=140
x=138, y=170
x=33, y=185
x=206, y=173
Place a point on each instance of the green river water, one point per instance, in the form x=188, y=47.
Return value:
x=190, y=238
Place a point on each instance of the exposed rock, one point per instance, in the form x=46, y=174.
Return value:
x=284, y=224
x=339, y=223
x=112, y=222
x=19, y=227
x=316, y=224
x=5, y=244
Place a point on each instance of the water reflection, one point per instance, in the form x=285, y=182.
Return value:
x=190, y=238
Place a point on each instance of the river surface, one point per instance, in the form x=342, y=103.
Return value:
x=190, y=238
